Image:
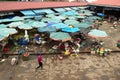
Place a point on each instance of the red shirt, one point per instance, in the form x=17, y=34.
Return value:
x=39, y=58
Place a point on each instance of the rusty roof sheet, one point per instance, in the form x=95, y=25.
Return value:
x=11, y=6
x=108, y=3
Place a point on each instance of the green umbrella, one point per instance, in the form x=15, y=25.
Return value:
x=25, y=26
x=60, y=36
x=71, y=22
x=15, y=24
x=97, y=33
x=9, y=31
x=71, y=18
x=82, y=25
x=50, y=15
x=80, y=16
x=51, y=20
x=27, y=17
x=17, y=18
x=37, y=24
x=3, y=26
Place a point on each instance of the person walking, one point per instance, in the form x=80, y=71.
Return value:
x=40, y=62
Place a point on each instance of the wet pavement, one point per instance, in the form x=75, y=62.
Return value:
x=83, y=67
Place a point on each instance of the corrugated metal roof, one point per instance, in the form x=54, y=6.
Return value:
x=11, y=6
x=108, y=3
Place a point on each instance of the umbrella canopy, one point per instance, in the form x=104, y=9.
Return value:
x=82, y=25
x=3, y=35
x=37, y=24
x=72, y=30
x=60, y=25
x=60, y=36
x=60, y=17
x=47, y=29
x=17, y=18
x=97, y=33
x=50, y=24
x=9, y=31
x=3, y=26
x=25, y=26
x=80, y=17
x=70, y=13
x=50, y=15
x=15, y=24
x=71, y=22
x=51, y=20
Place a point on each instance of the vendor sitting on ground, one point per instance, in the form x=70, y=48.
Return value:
x=37, y=39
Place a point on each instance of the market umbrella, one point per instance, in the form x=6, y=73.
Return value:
x=71, y=22
x=37, y=24
x=70, y=13
x=17, y=18
x=50, y=24
x=60, y=36
x=51, y=20
x=61, y=17
x=27, y=17
x=72, y=30
x=71, y=18
x=82, y=25
x=50, y=15
x=3, y=35
x=3, y=26
x=9, y=31
x=80, y=17
x=47, y=29
x=97, y=33
x=15, y=24
x=25, y=26
x=60, y=25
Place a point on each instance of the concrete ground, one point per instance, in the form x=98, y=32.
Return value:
x=84, y=67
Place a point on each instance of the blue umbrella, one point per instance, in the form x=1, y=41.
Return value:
x=47, y=29
x=101, y=14
x=60, y=25
x=50, y=24
x=97, y=33
x=70, y=29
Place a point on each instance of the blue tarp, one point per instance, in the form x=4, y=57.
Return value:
x=70, y=29
x=40, y=11
x=28, y=13
x=101, y=14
